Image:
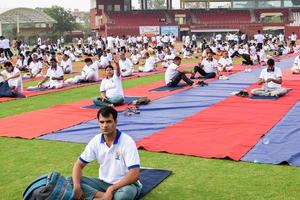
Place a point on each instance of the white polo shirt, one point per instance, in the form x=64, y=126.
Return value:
x=115, y=161
x=65, y=64
x=170, y=72
x=209, y=66
x=112, y=86
x=225, y=61
x=126, y=65
x=150, y=63
x=259, y=38
x=52, y=73
x=16, y=82
x=35, y=67
x=275, y=75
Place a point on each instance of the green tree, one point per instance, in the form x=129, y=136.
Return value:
x=65, y=20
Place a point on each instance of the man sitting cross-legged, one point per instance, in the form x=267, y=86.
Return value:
x=271, y=79
x=119, y=161
x=174, y=74
x=54, y=77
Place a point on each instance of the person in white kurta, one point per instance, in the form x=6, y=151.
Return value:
x=13, y=76
x=126, y=66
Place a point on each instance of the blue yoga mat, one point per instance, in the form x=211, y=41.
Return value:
x=166, y=111
x=281, y=144
x=150, y=178
x=166, y=88
x=127, y=100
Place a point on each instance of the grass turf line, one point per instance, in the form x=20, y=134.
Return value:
x=193, y=178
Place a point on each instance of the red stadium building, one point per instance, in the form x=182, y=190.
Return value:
x=134, y=17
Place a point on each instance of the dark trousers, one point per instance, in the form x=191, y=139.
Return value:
x=177, y=78
x=203, y=73
x=235, y=54
x=247, y=60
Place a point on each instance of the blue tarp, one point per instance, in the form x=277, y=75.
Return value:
x=167, y=111
x=281, y=143
x=150, y=178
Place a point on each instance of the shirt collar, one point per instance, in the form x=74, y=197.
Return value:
x=116, y=139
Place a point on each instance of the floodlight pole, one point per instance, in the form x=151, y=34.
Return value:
x=18, y=25
x=0, y=28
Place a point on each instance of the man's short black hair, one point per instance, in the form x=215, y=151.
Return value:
x=177, y=58
x=107, y=111
x=53, y=59
x=271, y=62
x=7, y=64
x=109, y=66
x=88, y=60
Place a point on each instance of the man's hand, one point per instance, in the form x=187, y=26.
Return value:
x=116, y=59
x=78, y=193
x=103, y=99
x=270, y=80
x=108, y=195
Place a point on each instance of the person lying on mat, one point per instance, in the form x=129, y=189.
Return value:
x=13, y=76
x=271, y=79
x=119, y=162
x=111, y=90
x=207, y=68
x=54, y=77
x=88, y=74
x=174, y=74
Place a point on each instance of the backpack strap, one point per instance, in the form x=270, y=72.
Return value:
x=39, y=182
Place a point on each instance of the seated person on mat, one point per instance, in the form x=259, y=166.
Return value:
x=150, y=64
x=174, y=74
x=207, y=68
x=296, y=66
x=13, y=76
x=35, y=67
x=225, y=63
x=126, y=66
x=54, y=77
x=66, y=64
x=111, y=90
x=88, y=74
x=119, y=162
x=271, y=79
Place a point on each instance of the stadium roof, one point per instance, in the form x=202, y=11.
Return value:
x=25, y=15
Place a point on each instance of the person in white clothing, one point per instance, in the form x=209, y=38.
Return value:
x=126, y=66
x=119, y=162
x=259, y=39
x=66, y=64
x=225, y=63
x=296, y=66
x=35, y=67
x=111, y=89
x=150, y=64
x=208, y=68
x=293, y=39
x=88, y=74
x=271, y=79
x=54, y=77
x=13, y=76
x=135, y=57
x=168, y=59
x=174, y=74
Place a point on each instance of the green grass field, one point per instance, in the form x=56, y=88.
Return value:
x=192, y=178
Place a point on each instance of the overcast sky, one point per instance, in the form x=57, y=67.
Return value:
x=82, y=5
